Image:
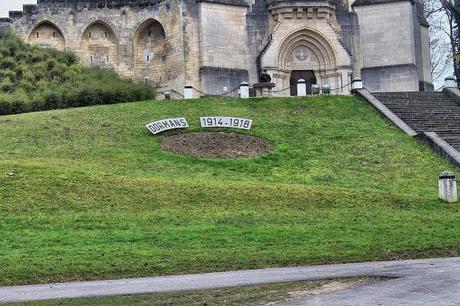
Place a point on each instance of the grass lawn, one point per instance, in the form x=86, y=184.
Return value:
x=88, y=194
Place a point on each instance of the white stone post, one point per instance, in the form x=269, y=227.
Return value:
x=448, y=187
x=450, y=83
x=244, y=90
x=315, y=89
x=188, y=92
x=301, y=88
x=357, y=84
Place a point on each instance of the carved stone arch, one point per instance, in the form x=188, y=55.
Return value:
x=99, y=45
x=151, y=48
x=314, y=44
x=47, y=34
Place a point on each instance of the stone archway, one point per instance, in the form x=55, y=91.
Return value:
x=150, y=52
x=307, y=55
x=99, y=46
x=47, y=35
x=306, y=50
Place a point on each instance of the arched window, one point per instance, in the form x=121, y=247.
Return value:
x=47, y=35
x=99, y=40
x=149, y=40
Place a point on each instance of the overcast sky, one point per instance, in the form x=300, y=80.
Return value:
x=13, y=5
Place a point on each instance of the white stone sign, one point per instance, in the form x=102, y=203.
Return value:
x=226, y=122
x=167, y=124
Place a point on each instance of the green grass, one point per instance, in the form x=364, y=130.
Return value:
x=247, y=295
x=87, y=193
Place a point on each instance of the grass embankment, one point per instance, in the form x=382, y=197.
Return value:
x=87, y=193
x=33, y=79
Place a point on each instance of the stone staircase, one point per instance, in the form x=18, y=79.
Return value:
x=426, y=112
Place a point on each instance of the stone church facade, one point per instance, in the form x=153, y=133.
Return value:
x=214, y=45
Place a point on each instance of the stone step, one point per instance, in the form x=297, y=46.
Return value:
x=426, y=112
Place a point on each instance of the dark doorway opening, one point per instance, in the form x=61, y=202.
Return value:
x=307, y=75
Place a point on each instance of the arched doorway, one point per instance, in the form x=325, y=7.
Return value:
x=296, y=75
x=306, y=54
x=47, y=35
x=150, y=52
x=99, y=46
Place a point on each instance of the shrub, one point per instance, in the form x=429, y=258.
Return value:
x=34, y=79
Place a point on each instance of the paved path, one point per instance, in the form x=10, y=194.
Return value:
x=417, y=282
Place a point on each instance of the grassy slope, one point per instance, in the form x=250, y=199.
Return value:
x=93, y=196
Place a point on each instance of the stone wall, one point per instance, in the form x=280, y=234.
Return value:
x=387, y=35
x=114, y=37
x=213, y=45
x=5, y=24
x=426, y=77
x=258, y=34
x=223, y=45
x=394, y=44
x=219, y=81
x=391, y=78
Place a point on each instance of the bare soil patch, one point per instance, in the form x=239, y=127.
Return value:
x=216, y=145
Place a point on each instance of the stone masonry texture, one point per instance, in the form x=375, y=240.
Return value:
x=214, y=45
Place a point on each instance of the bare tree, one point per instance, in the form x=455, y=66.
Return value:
x=451, y=9
x=441, y=37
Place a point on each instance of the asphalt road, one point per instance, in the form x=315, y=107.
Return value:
x=416, y=282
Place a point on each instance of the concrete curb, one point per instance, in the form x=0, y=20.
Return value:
x=386, y=112
x=453, y=93
x=440, y=146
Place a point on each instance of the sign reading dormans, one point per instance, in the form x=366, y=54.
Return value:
x=167, y=124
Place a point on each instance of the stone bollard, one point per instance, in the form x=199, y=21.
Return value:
x=326, y=89
x=315, y=89
x=357, y=84
x=450, y=83
x=244, y=90
x=301, y=88
x=188, y=92
x=448, y=187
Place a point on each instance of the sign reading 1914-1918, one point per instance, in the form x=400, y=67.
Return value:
x=226, y=122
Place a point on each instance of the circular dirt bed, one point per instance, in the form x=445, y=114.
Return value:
x=215, y=145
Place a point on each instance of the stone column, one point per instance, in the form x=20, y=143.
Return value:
x=357, y=59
